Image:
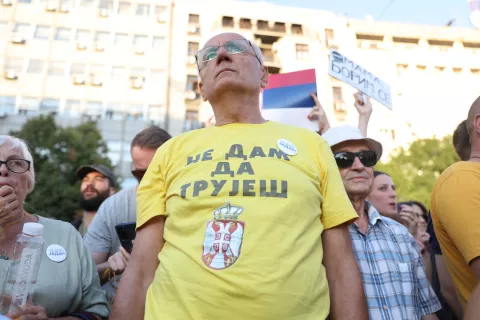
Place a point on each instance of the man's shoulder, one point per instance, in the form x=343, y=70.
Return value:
x=119, y=198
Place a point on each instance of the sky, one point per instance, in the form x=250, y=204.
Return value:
x=432, y=12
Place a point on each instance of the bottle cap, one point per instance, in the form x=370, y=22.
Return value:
x=33, y=229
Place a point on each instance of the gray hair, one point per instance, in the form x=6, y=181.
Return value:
x=19, y=144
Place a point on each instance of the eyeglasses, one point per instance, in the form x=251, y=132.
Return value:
x=16, y=165
x=138, y=174
x=346, y=159
x=233, y=47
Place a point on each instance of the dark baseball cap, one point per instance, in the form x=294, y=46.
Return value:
x=100, y=168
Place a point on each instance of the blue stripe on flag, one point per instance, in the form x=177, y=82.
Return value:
x=289, y=97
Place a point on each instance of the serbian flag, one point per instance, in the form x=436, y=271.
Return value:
x=287, y=98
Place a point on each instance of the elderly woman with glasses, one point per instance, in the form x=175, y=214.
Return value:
x=67, y=285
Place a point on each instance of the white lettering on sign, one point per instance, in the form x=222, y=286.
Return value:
x=349, y=72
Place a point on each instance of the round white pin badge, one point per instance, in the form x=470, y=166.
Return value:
x=287, y=147
x=56, y=253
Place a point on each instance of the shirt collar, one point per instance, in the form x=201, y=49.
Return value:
x=373, y=214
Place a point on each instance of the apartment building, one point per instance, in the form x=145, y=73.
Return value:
x=133, y=60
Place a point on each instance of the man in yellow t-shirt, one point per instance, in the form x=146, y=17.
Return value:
x=455, y=206
x=244, y=220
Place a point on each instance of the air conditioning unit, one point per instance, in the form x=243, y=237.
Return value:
x=191, y=59
x=7, y=2
x=99, y=46
x=103, y=12
x=18, y=39
x=10, y=75
x=64, y=8
x=96, y=81
x=81, y=45
x=78, y=79
x=51, y=7
x=194, y=29
x=139, y=50
x=162, y=18
x=137, y=83
x=190, y=95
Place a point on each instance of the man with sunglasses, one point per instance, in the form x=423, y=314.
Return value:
x=234, y=221
x=392, y=269
x=101, y=239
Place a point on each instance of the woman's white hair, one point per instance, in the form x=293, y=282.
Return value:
x=18, y=144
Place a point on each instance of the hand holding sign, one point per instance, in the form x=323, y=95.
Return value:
x=364, y=108
x=318, y=114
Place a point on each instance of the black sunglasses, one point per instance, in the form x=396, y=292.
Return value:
x=138, y=174
x=345, y=159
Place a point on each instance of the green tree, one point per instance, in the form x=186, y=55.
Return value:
x=416, y=169
x=58, y=152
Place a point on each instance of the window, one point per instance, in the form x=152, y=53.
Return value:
x=114, y=111
x=94, y=108
x=158, y=42
x=121, y=39
x=124, y=8
x=407, y=43
x=439, y=69
x=77, y=69
x=192, y=48
x=62, y=34
x=329, y=37
x=35, y=66
x=7, y=105
x=191, y=121
x=102, y=37
x=268, y=55
x=369, y=41
x=338, y=104
x=82, y=35
x=159, y=10
x=227, y=22
x=421, y=68
x=72, y=108
x=475, y=72
x=86, y=3
x=118, y=73
x=297, y=29
x=193, y=18
x=56, y=68
x=245, y=23
x=50, y=106
x=302, y=51
x=192, y=86
x=42, y=32
x=457, y=70
x=140, y=41
x=156, y=113
x=14, y=64
x=142, y=10
x=474, y=46
x=135, y=111
x=262, y=25
x=440, y=45
x=136, y=73
x=22, y=29
x=29, y=103
x=279, y=27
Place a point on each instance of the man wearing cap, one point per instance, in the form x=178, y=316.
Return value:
x=98, y=183
x=393, y=273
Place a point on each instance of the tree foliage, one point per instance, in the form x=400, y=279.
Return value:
x=416, y=169
x=57, y=153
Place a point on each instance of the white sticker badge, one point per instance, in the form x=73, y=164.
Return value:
x=56, y=253
x=287, y=147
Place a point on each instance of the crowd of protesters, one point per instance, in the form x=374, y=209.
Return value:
x=253, y=219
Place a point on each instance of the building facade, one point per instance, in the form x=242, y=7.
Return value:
x=132, y=61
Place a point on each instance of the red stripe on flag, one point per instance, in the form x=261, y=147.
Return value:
x=291, y=79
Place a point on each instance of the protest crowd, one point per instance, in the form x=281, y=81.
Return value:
x=250, y=219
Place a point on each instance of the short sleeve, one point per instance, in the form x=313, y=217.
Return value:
x=93, y=298
x=98, y=237
x=456, y=207
x=336, y=206
x=151, y=193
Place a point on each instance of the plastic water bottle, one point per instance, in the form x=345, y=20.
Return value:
x=26, y=259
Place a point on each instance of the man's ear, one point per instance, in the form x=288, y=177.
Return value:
x=112, y=190
x=202, y=92
x=264, y=76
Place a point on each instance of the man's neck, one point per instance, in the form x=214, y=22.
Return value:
x=237, y=107
x=358, y=203
x=88, y=217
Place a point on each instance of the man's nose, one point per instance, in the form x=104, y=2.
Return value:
x=3, y=169
x=223, y=55
x=357, y=164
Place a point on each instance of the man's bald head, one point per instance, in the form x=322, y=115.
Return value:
x=472, y=113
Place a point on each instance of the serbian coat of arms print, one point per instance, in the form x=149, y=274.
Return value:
x=223, y=238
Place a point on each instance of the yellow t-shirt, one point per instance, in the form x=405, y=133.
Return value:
x=244, y=223
x=455, y=207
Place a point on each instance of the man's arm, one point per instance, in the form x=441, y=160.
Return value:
x=473, y=307
x=347, y=300
x=447, y=287
x=131, y=295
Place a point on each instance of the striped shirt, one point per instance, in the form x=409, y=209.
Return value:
x=393, y=273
